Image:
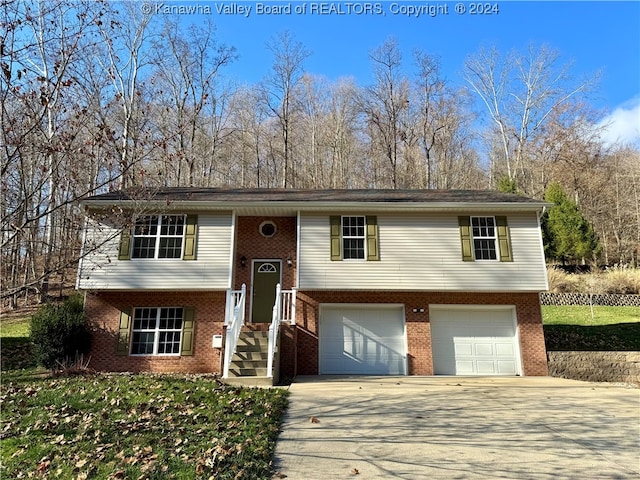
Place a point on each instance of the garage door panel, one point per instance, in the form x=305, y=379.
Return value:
x=362, y=340
x=474, y=342
x=507, y=367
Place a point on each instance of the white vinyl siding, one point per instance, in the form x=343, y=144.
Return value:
x=102, y=269
x=422, y=252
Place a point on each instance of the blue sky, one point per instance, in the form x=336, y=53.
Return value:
x=594, y=35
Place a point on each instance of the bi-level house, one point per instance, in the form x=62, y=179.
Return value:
x=268, y=282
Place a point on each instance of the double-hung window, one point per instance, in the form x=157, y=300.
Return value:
x=354, y=237
x=158, y=236
x=483, y=230
x=156, y=331
x=485, y=238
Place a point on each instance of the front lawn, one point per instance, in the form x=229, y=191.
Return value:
x=575, y=328
x=121, y=426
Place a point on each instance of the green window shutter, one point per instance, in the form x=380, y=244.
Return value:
x=124, y=251
x=191, y=232
x=504, y=240
x=373, y=252
x=465, y=237
x=336, y=238
x=124, y=331
x=188, y=322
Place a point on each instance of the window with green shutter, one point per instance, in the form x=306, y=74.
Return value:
x=160, y=236
x=156, y=331
x=485, y=238
x=354, y=238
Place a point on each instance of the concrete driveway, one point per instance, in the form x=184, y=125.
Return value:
x=459, y=428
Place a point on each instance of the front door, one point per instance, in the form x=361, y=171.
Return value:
x=266, y=275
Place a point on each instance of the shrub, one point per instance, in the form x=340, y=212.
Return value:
x=561, y=282
x=59, y=334
x=622, y=280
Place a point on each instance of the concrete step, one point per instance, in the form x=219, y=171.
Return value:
x=235, y=363
x=249, y=381
x=260, y=355
x=247, y=371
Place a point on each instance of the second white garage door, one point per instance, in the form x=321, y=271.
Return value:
x=474, y=341
x=362, y=340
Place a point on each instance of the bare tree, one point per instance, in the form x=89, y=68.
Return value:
x=186, y=81
x=279, y=89
x=385, y=102
x=126, y=36
x=519, y=93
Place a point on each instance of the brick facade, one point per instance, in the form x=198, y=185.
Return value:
x=305, y=357
x=299, y=348
x=103, y=311
x=251, y=245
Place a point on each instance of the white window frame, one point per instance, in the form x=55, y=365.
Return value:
x=494, y=238
x=354, y=237
x=156, y=331
x=158, y=237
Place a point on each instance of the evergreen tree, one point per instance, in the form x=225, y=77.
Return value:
x=567, y=235
x=508, y=185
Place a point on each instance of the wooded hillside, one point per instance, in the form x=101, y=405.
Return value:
x=97, y=96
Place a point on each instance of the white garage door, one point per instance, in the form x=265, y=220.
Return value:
x=479, y=341
x=362, y=340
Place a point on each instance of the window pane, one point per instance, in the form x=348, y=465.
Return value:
x=170, y=247
x=483, y=227
x=142, y=343
x=169, y=342
x=144, y=247
x=353, y=248
x=145, y=319
x=172, y=225
x=485, y=249
x=146, y=225
x=170, y=318
x=353, y=226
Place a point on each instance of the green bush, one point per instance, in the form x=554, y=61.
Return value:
x=59, y=334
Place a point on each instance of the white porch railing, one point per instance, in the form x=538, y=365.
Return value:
x=284, y=310
x=273, y=331
x=234, y=325
x=233, y=298
x=288, y=306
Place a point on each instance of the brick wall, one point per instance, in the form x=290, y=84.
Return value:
x=253, y=246
x=103, y=311
x=305, y=357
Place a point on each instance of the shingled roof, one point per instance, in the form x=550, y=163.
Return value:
x=267, y=195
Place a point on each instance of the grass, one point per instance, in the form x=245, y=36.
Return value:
x=16, y=358
x=121, y=426
x=575, y=328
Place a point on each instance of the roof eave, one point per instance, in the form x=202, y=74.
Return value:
x=319, y=206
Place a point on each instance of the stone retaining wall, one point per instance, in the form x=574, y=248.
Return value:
x=596, y=366
x=609, y=299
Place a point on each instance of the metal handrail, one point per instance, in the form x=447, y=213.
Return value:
x=233, y=330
